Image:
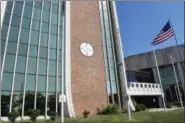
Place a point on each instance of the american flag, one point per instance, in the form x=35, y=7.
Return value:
x=165, y=33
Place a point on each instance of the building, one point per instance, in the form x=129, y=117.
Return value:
x=145, y=62
x=49, y=45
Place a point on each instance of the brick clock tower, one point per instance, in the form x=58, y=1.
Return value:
x=87, y=62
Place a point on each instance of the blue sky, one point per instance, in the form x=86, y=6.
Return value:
x=140, y=22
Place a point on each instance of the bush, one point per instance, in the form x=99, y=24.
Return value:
x=86, y=113
x=12, y=116
x=52, y=115
x=140, y=107
x=109, y=109
x=169, y=105
x=33, y=113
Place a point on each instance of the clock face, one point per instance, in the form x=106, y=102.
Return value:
x=86, y=49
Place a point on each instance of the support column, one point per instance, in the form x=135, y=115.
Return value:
x=156, y=80
x=181, y=73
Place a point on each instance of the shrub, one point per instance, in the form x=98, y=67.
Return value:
x=169, y=105
x=109, y=109
x=52, y=115
x=33, y=113
x=86, y=113
x=12, y=116
x=140, y=107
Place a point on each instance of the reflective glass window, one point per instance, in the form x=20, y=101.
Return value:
x=51, y=84
x=34, y=37
x=46, y=5
x=54, y=8
x=38, y=4
x=53, y=54
x=54, y=18
x=9, y=6
x=44, y=40
x=37, y=14
x=27, y=11
x=45, y=17
x=9, y=60
x=23, y=49
x=32, y=63
x=13, y=33
x=33, y=51
x=53, y=29
x=52, y=67
x=12, y=46
x=41, y=83
x=30, y=82
x=19, y=82
x=2, y=46
x=43, y=52
x=16, y=20
x=7, y=81
x=35, y=25
x=26, y=23
x=53, y=41
x=21, y=64
x=42, y=66
x=45, y=27
x=24, y=37
x=18, y=8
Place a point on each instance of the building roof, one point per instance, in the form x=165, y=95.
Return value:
x=146, y=60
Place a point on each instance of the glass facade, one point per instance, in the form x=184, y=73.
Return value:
x=109, y=52
x=31, y=55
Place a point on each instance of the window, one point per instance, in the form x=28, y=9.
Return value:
x=35, y=25
x=19, y=82
x=42, y=66
x=110, y=52
x=7, y=81
x=45, y=27
x=12, y=46
x=51, y=84
x=32, y=63
x=9, y=63
x=61, y=30
x=53, y=29
x=2, y=46
x=59, y=68
x=46, y=5
x=26, y=23
x=37, y=14
x=38, y=4
x=29, y=3
x=41, y=83
x=43, y=52
x=16, y=20
x=23, y=49
x=53, y=54
x=60, y=42
x=53, y=41
x=54, y=18
x=21, y=64
x=45, y=17
x=44, y=40
x=107, y=74
x=112, y=74
x=24, y=37
x=33, y=51
x=54, y=8
x=34, y=37
x=9, y=6
x=6, y=19
x=18, y=8
x=13, y=33
x=52, y=68
x=30, y=82
x=4, y=31
x=27, y=11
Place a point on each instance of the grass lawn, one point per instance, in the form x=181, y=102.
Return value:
x=159, y=117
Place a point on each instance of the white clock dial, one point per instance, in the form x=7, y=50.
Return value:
x=86, y=49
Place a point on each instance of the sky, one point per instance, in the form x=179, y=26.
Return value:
x=140, y=22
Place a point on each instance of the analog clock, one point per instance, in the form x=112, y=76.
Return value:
x=86, y=49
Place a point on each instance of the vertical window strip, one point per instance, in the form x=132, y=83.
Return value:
x=27, y=60
x=110, y=81
x=114, y=57
x=46, y=93
x=38, y=52
x=15, y=63
x=7, y=37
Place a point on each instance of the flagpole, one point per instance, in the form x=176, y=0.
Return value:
x=159, y=77
x=176, y=41
x=175, y=74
